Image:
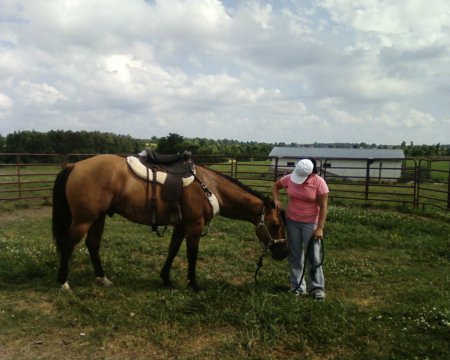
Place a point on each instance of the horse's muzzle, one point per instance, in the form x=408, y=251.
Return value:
x=279, y=251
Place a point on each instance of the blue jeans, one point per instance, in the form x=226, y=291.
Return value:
x=298, y=235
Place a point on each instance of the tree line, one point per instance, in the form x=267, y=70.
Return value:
x=85, y=142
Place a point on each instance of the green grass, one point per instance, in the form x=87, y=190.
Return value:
x=388, y=293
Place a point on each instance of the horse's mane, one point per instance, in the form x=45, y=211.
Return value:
x=267, y=201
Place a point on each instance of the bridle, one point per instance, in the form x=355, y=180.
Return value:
x=265, y=247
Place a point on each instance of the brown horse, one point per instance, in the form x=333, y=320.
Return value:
x=84, y=193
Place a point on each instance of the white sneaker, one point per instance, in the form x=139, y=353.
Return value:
x=318, y=295
x=297, y=292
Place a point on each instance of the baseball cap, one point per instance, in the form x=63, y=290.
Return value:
x=302, y=170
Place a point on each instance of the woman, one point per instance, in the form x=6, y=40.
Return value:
x=306, y=214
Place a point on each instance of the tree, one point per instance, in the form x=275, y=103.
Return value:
x=171, y=144
x=2, y=144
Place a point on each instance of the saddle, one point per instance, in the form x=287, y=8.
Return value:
x=172, y=163
x=172, y=171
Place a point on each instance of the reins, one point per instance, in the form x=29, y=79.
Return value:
x=265, y=247
x=308, y=250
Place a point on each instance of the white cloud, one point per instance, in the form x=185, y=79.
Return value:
x=6, y=102
x=34, y=94
x=340, y=70
x=406, y=23
x=418, y=119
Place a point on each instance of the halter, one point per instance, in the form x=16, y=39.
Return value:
x=265, y=247
x=272, y=241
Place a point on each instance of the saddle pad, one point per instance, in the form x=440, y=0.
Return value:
x=214, y=204
x=141, y=170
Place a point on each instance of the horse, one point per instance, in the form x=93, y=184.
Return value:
x=88, y=191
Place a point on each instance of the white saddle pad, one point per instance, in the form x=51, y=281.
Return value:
x=141, y=170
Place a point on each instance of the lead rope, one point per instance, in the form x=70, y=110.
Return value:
x=259, y=265
x=315, y=267
x=264, y=248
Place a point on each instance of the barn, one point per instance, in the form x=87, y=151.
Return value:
x=347, y=163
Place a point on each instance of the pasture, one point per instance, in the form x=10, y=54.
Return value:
x=388, y=293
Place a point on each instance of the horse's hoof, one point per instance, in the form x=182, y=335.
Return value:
x=66, y=288
x=103, y=281
x=166, y=280
x=197, y=288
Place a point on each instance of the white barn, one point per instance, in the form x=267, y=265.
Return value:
x=348, y=163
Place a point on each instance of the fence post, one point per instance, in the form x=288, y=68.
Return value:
x=65, y=160
x=275, y=170
x=19, y=176
x=366, y=195
x=416, y=184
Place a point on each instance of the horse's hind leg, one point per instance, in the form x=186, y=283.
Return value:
x=64, y=257
x=65, y=248
x=178, y=235
x=93, y=244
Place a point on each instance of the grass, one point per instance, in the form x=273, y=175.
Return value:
x=388, y=290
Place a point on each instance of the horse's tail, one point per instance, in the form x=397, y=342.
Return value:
x=61, y=217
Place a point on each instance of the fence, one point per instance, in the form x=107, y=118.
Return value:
x=415, y=183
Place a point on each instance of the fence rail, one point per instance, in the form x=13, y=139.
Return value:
x=415, y=183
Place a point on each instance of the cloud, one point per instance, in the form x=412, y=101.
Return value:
x=6, y=104
x=325, y=71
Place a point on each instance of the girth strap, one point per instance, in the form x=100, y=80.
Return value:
x=154, y=205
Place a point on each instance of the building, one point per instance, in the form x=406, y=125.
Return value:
x=346, y=163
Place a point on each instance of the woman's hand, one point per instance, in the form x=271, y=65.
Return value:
x=278, y=204
x=276, y=195
x=318, y=233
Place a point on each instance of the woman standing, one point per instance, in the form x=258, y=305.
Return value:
x=306, y=214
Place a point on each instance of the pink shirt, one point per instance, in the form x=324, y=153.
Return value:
x=303, y=203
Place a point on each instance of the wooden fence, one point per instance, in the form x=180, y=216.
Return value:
x=422, y=182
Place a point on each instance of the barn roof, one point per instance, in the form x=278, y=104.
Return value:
x=330, y=153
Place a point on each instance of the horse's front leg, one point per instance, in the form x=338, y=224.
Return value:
x=192, y=242
x=178, y=235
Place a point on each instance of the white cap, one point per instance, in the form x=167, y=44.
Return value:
x=302, y=170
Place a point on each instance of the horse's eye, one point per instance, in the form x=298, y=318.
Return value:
x=275, y=227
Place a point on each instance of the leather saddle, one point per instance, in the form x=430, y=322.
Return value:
x=177, y=167
x=171, y=163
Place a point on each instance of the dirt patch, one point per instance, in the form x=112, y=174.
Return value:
x=16, y=215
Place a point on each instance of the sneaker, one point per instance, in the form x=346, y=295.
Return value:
x=318, y=295
x=297, y=292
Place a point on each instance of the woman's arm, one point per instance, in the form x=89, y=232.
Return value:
x=323, y=206
x=276, y=194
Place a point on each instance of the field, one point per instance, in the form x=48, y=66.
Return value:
x=388, y=293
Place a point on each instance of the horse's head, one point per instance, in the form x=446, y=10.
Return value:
x=271, y=232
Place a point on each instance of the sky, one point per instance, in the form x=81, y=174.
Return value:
x=304, y=71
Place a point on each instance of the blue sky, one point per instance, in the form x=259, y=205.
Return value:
x=272, y=71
